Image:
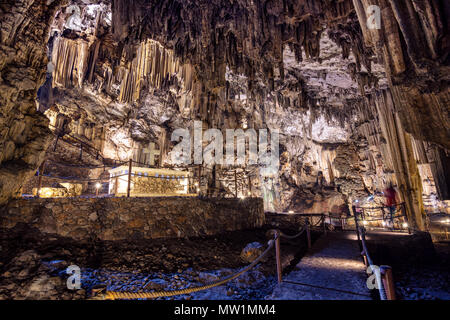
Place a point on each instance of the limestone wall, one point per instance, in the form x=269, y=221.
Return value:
x=134, y=218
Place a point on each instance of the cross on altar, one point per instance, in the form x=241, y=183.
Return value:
x=150, y=153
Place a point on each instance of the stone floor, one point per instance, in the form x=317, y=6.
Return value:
x=333, y=262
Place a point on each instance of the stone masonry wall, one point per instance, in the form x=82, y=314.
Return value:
x=134, y=218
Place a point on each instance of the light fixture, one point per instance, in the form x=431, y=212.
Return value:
x=365, y=222
x=242, y=197
x=405, y=225
x=97, y=187
x=384, y=223
x=290, y=211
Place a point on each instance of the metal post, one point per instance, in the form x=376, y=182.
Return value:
x=357, y=227
x=81, y=150
x=199, y=177
x=308, y=233
x=56, y=143
x=41, y=172
x=250, y=185
x=278, y=255
x=365, y=258
x=324, y=226
x=235, y=183
x=388, y=282
x=129, y=177
x=406, y=217
x=189, y=182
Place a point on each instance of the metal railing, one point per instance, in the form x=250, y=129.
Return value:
x=383, y=274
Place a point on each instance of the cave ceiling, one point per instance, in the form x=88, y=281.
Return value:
x=235, y=62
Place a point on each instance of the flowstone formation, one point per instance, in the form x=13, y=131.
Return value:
x=356, y=108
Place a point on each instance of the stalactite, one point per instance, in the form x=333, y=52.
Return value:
x=70, y=61
x=402, y=158
x=153, y=67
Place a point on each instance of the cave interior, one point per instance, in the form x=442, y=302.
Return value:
x=282, y=109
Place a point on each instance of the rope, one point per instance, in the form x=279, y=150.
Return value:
x=325, y=288
x=86, y=166
x=114, y=295
x=293, y=236
x=378, y=219
x=80, y=180
x=376, y=271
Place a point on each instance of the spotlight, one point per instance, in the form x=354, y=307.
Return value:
x=242, y=197
x=384, y=223
x=405, y=225
x=290, y=211
x=97, y=187
x=365, y=222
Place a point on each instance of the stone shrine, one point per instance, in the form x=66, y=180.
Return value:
x=147, y=182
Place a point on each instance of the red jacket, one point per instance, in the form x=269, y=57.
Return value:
x=390, y=195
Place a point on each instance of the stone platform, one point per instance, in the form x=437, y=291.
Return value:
x=134, y=218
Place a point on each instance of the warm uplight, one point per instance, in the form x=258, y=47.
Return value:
x=98, y=185
x=405, y=225
x=242, y=197
x=384, y=223
x=290, y=211
x=365, y=222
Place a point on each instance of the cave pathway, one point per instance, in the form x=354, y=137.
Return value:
x=333, y=262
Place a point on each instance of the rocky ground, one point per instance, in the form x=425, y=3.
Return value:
x=33, y=266
x=426, y=281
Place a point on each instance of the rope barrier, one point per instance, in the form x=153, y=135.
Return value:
x=374, y=269
x=326, y=288
x=114, y=295
x=80, y=180
x=283, y=235
x=86, y=166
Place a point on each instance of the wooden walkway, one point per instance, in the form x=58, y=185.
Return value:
x=333, y=262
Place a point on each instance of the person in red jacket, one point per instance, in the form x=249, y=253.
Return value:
x=391, y=201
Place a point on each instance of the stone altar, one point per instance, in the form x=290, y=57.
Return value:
x=147, y=182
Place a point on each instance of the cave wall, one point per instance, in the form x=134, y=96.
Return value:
x=23, y=62
x=413, y=43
